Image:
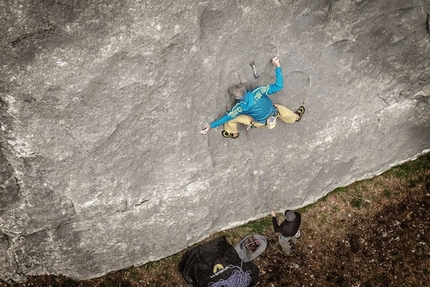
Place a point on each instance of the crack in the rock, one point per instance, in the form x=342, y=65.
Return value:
x=428, y=24
x=141, y=202
x=14, y=257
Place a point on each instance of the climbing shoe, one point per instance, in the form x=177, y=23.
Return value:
x=229, y=135
x=300, y=111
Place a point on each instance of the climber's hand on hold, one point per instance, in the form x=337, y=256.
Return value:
x=205, y=129
x=275, y=61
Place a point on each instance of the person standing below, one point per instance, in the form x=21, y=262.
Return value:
x=288, y=230
x=255, y=107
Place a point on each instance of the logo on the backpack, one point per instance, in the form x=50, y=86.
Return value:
x=218, y=269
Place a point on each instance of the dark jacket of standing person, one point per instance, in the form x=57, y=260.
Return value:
x=290, y=225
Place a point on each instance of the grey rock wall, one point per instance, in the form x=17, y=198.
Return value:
x=102, y=163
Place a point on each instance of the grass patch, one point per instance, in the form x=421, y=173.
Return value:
x=411, y=169
x=259, y=226
x=386, y=193
x=358, y=202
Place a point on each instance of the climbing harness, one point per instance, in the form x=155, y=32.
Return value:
x=270, y=121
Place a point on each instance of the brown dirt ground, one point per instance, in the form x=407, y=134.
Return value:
x=372, y=233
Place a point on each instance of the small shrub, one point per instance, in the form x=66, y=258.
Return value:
x=357, y=202
x=386, y=193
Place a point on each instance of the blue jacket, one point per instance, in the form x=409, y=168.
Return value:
x=255, y=103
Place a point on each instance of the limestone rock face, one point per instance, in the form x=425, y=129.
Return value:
x=102, y=164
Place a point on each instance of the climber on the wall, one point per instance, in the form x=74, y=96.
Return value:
x=255, y=107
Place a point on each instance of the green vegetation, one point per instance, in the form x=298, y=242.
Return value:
x=357, y=202
x=259, y=226
x=386, y=193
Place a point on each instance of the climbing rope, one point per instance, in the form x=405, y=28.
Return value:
x=237, y=279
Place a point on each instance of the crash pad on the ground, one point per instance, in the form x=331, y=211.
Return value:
x=214, y=261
